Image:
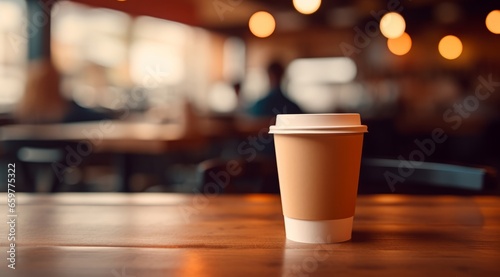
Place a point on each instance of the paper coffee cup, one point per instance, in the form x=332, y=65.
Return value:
x=318, y=158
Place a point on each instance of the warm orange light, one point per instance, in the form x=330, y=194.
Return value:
x=399, y=46
x=450, y=47
x=493, y=21
x=392, y=25
x=262, y=24
x=306, y=6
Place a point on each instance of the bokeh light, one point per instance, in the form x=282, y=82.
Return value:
x=450, y=47
x=392, y=25
x=399, y=46
x=262, y=24
x=222, y=98
x=493, y=21
x=306, y=6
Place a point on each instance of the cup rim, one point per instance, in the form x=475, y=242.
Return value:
x=318, y=123
x=319, y=127
x=359, y=129
x=322, y=114
x=348, y=129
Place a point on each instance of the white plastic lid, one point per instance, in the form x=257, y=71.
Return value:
x=318, y=123
x=319, y=231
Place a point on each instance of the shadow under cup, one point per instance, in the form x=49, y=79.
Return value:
x=318, y=158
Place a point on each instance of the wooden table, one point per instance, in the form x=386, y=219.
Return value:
x=148, y=235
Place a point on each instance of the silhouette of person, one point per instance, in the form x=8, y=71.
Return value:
x=275, y=101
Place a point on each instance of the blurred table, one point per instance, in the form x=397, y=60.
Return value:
x=122, y=139
x=114, y=136
x=138, y=235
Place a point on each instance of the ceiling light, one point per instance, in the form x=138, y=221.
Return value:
x=392, y=25
x=493, y=21
x=306, y=6
x=399, y=46
x=450, y=47
x=262, y=24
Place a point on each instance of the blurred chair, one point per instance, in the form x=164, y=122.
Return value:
x=376, y=176
x=257, y=176
x=35, y=162
x=387, y=175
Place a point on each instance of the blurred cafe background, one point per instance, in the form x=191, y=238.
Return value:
x=160, y=95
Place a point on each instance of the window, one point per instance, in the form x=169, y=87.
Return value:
x=324, y=84
x=13, y=52
x=110, y=59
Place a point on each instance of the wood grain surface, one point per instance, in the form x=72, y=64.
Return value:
x=135, y=235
